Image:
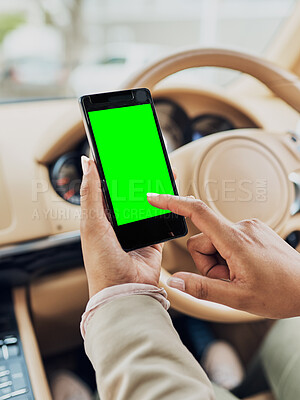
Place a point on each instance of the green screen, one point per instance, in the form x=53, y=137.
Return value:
x=132, y=160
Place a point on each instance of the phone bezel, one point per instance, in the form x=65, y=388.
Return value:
x=168, y=226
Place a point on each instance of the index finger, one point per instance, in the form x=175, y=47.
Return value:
x=208, y=222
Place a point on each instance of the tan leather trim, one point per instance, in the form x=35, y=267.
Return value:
x=60, y=136
x=69, y=132
x=31, y=350
x=36, y=123
x=281, y=82
x=57, y=302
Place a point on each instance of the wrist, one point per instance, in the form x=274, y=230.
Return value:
x=97, y=285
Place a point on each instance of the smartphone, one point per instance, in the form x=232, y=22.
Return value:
x=131, y=157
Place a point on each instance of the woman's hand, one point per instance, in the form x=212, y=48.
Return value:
x=244, y=265
x=106, y=263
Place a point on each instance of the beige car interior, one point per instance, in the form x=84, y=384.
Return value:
x=262, y=153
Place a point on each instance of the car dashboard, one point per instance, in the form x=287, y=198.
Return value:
x=40, y=172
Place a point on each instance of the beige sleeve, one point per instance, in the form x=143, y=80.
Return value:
x=138, y=355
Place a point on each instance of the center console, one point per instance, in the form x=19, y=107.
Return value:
x=14, y=377
x=22, y=375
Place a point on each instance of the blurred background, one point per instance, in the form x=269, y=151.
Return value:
x=62, y=48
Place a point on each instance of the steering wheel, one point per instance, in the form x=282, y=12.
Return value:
x=240, y=174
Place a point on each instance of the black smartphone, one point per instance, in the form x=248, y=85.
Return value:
x=131, y=157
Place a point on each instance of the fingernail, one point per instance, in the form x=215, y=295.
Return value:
x=152, y=194
x=176, y=283
x=85, y=163
x=191, y=197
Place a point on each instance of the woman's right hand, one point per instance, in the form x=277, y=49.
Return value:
x=245, y=265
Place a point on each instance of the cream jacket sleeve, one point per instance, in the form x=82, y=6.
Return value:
x=138, y=355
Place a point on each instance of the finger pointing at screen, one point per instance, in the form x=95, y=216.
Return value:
x=257, y=270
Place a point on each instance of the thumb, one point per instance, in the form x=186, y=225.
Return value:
x=216, y=290
x=91, y=198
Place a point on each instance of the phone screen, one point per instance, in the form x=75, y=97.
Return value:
x=132, y=160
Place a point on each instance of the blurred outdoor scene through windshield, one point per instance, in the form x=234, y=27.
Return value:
x=62, y=48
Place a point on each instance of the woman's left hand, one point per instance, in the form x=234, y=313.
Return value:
x=106, y=263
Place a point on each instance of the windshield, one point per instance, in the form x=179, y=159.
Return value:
x=62, y=48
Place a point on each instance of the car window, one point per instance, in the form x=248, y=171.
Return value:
x=64, y=48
